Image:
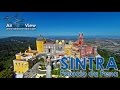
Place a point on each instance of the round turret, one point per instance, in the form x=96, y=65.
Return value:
x=29, y=49
x=60, y=42
x=63, y=41
x=57, y=41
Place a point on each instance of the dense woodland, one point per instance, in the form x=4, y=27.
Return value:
x=12, y=45
x=8, y=48
x=106, y=54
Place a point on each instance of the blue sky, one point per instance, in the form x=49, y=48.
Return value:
x=66, y=23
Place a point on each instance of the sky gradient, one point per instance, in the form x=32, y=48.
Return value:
x=66, y=23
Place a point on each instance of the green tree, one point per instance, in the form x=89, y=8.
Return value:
x=7, y=73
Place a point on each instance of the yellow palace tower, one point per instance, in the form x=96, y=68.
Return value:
x=40, y=44
x=24, y=61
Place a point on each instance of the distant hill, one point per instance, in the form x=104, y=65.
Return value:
x=18, y=38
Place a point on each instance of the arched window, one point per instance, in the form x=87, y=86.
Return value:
x=49, y=50
x=22, y=64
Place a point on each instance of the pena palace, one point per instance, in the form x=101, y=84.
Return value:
x=58, y=48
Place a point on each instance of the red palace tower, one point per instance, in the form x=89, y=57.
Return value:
x=84, y=49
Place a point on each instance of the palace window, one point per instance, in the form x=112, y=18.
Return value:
x=49, y=50
x=22, y=65
x=15, y=63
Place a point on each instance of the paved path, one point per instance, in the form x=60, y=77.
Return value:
x=31, y=72
x=48, y=72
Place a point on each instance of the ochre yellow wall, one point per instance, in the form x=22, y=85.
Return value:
x=18, y=57
x=68, y=50
x=40, y=46
x=78, y=55
x=20, y=66
x=31, y=54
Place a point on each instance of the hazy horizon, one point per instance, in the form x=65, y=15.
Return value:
x=67, y=36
